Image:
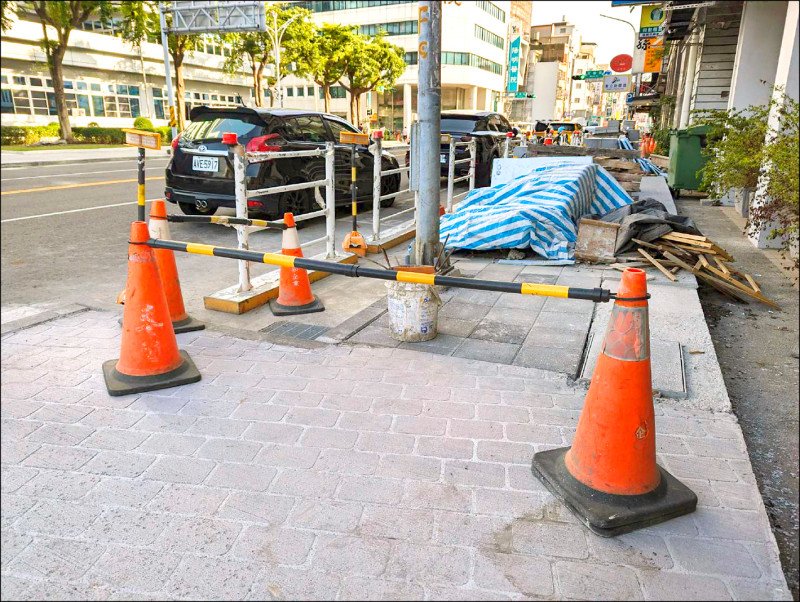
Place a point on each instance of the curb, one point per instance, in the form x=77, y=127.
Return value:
x=73, y=161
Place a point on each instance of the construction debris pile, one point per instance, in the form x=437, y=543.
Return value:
x=707, y=261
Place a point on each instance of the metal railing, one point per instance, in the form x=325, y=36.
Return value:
x=378, y=173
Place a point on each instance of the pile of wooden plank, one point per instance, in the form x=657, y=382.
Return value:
x=627, y=173
x=707, y=261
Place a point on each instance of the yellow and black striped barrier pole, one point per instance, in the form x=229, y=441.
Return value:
x=597, y=295
x=140, y=191
x=225, y=219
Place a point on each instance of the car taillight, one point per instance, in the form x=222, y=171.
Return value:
x=259, y=145
x=175, y=142
x=255, y=204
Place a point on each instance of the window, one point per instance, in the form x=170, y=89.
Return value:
x=19, y=80
x=49, y=82
x=306, y=128
x=395, y=28
x=562, y=30
x=301, y=91
x=94, y=87
x=310, y=91
x=493, y=10
x=51, y=103
x=578, y=86
x=289, y=91
x=135, y=112
x=326, y=6
x=455, y=58
x=211, y=127
x=110, y=88
x=6, y=101
x=337, y=127
x=205, y=96
x=122, y=89
x=97, y=104
x=411, y=58
x=3, y=79
x=580, y=71
x=231, y=99
x=83, y=103
x=67, y=84
x=36, y=82
x=133, y=90
x=197, y=95
x=22, y=104
x=110, y=103
x=39, y=103
x=488, y=36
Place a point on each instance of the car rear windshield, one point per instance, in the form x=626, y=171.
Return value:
x=568, y=127
x=211, y=127
x=456, y=124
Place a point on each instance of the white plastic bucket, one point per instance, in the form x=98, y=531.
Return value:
x=413, y=311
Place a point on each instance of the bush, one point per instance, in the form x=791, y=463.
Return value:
x=12, y=134
x=98, y=135
x=93, y=124
x=142, y=123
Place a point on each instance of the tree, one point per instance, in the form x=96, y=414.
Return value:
x=140, y=21
x=323, y=58
x=61, y=17
x=255, y=49
x=370, y=63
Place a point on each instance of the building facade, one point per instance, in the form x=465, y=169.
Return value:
x=584, y=99
x=106, y=81
x=557, y=45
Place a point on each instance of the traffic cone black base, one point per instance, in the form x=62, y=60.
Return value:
x=188, y=324
x=278, y=309
x=123, y=384
x=606, y=514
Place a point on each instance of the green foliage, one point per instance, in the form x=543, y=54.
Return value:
x=369, y=63
x=778, y=208
x=735, y=147
x=6, y=15
x=12, y=134
x=661, y=115
x=142, y=123
x=99, y=135
x=323, y=58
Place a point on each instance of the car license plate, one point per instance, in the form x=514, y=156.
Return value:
x=205, y=164
x=442, y=158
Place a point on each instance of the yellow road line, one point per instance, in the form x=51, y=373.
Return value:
x=64, y=186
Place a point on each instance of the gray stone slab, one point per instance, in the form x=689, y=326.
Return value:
x=463, y=311
x=548, y=336
x=456, y=327
x=443, y=344
x=666, y=365
x=556, y=359
x=488, y=351
x=500, y=332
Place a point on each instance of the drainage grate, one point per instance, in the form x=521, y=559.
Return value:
x=296, y=330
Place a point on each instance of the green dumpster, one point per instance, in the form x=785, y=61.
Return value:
x=685, y=158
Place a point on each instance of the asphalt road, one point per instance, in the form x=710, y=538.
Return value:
x=64, y=232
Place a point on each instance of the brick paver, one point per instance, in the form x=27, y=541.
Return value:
x=340, y=472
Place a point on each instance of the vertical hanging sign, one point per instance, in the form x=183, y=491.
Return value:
x=650, y=43
x=513, y=64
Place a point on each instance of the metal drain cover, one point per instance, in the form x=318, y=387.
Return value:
x=296, y=330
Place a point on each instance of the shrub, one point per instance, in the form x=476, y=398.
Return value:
x=12, y=134
x=97, y=135
x=93, y=124
x=142, y=123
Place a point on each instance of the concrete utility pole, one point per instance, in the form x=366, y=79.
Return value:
x=429, y=104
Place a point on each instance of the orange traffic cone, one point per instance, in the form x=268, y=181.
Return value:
x=294, y=293
x=609, y=477
x=168, y=271
x=149, y=355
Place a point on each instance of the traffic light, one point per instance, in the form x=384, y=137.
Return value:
x=579, y=77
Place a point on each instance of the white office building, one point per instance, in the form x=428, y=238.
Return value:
x=106, y=81
x=474, y=58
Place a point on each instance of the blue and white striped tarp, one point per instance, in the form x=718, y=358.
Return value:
x=539, y=210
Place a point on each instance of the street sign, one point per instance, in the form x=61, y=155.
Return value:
x=629, y=97
x=621, y=63
x=142, y=139
x=194, y=16
x=649, y=50
x=617, y=83
x=652, y=22
x=513, y=64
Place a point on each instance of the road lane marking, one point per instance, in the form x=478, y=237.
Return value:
x=12, y=166
x=67, y=175
x=16, y=219
x=65, y=186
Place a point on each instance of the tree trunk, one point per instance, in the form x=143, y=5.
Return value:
x=353, y=110
x=358, y=105
x=257, y=87
x=56, y=72
x=326, y=88
x=180, y=90
x=260, y=85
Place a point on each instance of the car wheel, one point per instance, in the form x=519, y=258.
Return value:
x=486, y=179
x=296, y=202
x=193, y=209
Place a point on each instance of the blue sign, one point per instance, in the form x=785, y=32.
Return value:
x=629, y=97
x=513, y=64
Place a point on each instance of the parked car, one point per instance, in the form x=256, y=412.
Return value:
x=489, y=130
x=200, y=184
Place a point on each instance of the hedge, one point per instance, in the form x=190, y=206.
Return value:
x=12, y=134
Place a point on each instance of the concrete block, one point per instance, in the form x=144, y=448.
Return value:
x=171, y=444
x=595, y=581
x=305, y=484
x=409, y=467
x=346, y=461
x=63, y=485
x=476, y=429
x=726, y=558
x=475, y=474
x=293, y=584
x=198, y=577
x=179, y=470
x=514, y=573
x=437, y=496
x=130, y=568
x=188, y=499
x=429, y=564
x=259, y=508
x=441, y=447
x=58, y=457
x=126, y=525
x=250, y=477
x=491, y=350
x=351, y=555
x=59, y=559
x=391, y=443
x=287, y=456
x=396, y=523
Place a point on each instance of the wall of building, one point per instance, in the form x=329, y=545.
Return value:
x=545, y=78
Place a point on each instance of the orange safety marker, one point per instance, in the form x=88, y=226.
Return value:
x=609, y=477
x=168, y=271
x=149, y=355
x=294, y=292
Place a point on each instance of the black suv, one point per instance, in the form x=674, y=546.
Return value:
x=489, y=130
x=199, y=184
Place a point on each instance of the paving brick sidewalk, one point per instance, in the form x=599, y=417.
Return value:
x=337, y=473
